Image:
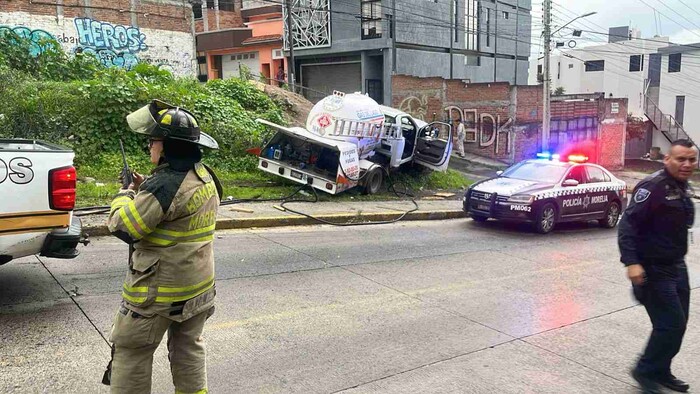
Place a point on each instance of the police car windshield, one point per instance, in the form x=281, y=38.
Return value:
x=546, y=172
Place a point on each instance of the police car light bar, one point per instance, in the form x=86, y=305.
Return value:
x=555, y=156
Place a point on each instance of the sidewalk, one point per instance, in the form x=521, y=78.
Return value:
x=266, y=215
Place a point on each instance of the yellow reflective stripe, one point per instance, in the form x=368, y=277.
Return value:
x=135, y=289
x=135, y=300
x=205, y=238
x=174, y=233
x=202, y=391
x=185, y=297
x=139, y=220
x=161, y=242
x=186, y=288
x=130, y=227
x=119, y=202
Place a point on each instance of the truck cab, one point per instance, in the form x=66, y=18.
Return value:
x=38, y=188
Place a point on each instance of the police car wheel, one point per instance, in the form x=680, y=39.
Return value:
x=480, y=219
x=612, y=215
x=373, y=181
x=546, y=218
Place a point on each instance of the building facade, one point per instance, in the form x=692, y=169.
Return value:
x=657, y=77
x=360, y=45
x=120, y=33
x=249, y=42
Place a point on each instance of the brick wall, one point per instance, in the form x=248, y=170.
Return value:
x=480, y=104
x=155, y=32
x=227, y=20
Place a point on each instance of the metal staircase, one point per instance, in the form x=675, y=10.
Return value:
x=666, y=124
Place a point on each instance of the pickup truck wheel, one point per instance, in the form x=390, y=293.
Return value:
x=546, y=218
x=612, y=215
x=373, y=181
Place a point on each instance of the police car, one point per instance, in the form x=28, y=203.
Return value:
x=547, y=191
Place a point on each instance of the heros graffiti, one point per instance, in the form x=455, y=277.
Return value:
x=113, y=45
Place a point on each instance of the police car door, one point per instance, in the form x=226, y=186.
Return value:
x=572, y=200
x=599, y=190
x=434, y=146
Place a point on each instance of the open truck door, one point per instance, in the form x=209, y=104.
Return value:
x=434, y=146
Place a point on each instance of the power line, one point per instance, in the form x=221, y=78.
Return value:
x=672, y=20
x=689, y=7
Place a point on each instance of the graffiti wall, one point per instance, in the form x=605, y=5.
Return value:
x=114, y=45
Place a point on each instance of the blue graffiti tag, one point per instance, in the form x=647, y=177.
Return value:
x=38, y=38
x=112, y=45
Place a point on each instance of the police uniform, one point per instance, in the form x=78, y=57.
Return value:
x=169, y=285
x=654, y=232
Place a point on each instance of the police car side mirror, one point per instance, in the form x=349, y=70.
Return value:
x=499, y=173
x=570, y=183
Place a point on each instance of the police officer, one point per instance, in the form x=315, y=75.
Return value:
x=653, y=239
x=169, y=220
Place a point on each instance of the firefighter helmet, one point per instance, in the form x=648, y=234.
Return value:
x=161, y=120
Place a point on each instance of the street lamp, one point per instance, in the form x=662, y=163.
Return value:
x=546, y=96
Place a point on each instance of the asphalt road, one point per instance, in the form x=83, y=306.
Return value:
x=419, y=307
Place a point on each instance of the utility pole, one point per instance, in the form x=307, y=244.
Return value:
x=393, y=37
x=495, y=42
x=453, y=34
x=546, y=116
x=517, y=27
x=290, y=40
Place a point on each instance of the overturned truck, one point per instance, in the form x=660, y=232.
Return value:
x=350, y=141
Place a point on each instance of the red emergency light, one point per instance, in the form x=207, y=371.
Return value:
x=578, y=158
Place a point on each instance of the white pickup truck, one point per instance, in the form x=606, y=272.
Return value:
x=37, y=197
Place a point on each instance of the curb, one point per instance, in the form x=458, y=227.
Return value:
x=296, y=220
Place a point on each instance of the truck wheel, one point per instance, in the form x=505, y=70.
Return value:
x=546, y=218
x=612, y=215
x=373, y=181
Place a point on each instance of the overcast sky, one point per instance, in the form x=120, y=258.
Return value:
x=682, y=26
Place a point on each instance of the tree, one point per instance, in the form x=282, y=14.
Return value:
x=559, y=91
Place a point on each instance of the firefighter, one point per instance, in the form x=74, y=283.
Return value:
x=168, y=220
x=653, y=240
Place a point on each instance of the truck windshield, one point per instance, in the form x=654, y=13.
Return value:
x=536, y=171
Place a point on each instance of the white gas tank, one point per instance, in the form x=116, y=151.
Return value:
x=353, y=118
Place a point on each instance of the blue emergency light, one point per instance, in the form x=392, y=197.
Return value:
x=548, y=156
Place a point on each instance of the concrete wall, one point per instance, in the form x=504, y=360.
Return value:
x=115, y=41
x=684, y=83
x=616, y=79
x=504, y=122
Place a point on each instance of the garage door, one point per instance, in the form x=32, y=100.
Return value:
x=324, y=79
x=230, y=64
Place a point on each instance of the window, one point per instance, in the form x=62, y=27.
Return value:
x=488, y=27
x=371, y=19
x=375, y=90
x=577, y=174
x=197, y=11
x=471, y=25
x=595, y=174
x=595, y=65
x=559, y=70
x=636, y=63
x=202, y=68
x=506, y=15
x=226, y=5
x=674, y=63
x=571, y=65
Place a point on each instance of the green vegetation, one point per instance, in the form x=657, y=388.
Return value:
x=76, y=102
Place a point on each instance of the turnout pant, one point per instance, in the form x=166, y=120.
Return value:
x=666, y=297
x=136, y=337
